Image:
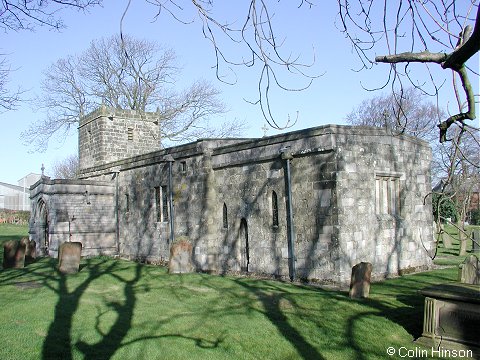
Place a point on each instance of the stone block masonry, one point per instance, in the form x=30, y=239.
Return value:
x=77, y=210
x=357, y=196
x=107, y=134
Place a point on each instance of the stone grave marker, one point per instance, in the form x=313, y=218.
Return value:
x=469, y=271
x=30, y=249
x=69, y=257
x=476, y=241
x=31, y=254
x=447, y=240
x=13, y=254
x=180, y=257
x=360, y=281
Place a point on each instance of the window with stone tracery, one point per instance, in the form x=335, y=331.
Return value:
x=387, y=195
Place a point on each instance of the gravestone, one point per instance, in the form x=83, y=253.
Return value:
x=447, y=240
x=30, y=249
x=476, y=241
x=360, y=281
x=180, y=257
x=31, y=253
x=469, y=272
x=13, y=254
x=69, y=257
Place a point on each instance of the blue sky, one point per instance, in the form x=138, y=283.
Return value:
x=308, y=32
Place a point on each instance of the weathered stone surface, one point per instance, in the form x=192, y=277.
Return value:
x=476, y=241
x=469, y=271
x=452, y=317
x=360, y=282
x=180, y=257
x=447, y=240
x=31, y=254
x=30, y=249
x=69, y=257
x=333, y=179
x=13, y=254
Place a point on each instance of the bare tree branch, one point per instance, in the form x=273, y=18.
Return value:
x=418, y=26
x=26, y=15
x=124, y=73
x=256, y=33
x=8, y=100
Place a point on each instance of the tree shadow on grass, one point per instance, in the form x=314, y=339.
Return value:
x=282, y=307
x=271, y=302
x=57, y=344
x=112, y=340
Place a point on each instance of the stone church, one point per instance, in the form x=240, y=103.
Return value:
x=307, y=204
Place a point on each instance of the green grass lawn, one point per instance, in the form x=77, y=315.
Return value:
x=114, y=309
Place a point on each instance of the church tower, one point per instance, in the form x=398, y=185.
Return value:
x=106, y=135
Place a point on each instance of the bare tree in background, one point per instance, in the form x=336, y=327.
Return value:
x=66, y=168
x=126, y=73
x=8, y=99
x=403, y=113
x=457, y=162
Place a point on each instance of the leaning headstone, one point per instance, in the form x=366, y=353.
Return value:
x=13, y=254
x=469, y=271
x=360, y=281
x=69, y=257
x=447, y=240
x=180, y=257
x=476, y=241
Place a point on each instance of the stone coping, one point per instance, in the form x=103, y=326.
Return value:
x=454, y=291
x=220, y=146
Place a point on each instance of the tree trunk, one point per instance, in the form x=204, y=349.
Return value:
x=461, y=236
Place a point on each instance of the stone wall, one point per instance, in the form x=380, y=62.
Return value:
x=357, y=193
x=74, y=210
x=393, y=242
x=107, y=135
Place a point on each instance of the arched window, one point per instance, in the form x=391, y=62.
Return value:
x=274, y=209
x=225, y=216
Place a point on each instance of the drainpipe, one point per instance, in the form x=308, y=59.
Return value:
x=117, y=220
x=287, y=156
x=169, y=158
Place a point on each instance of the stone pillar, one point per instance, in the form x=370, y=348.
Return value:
x=209, y=212
x=360, y=281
